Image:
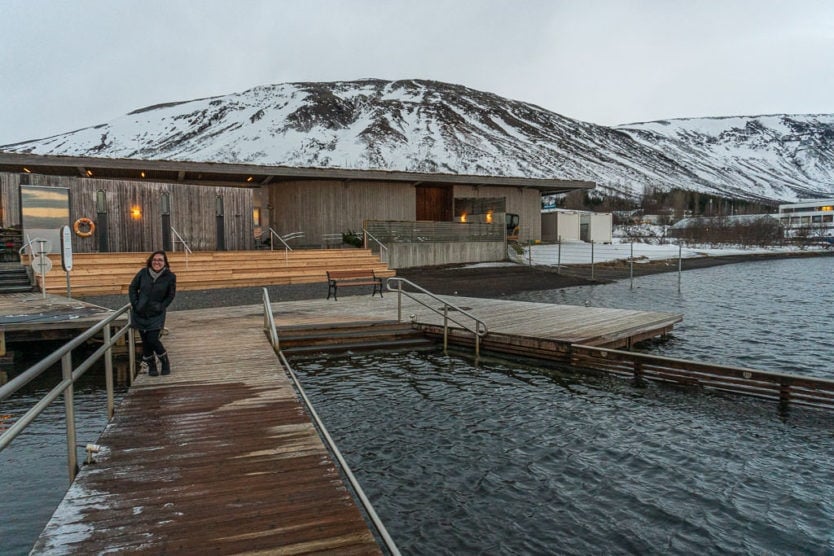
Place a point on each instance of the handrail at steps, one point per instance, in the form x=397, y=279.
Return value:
x=184, y=244
x=382, y=247
x=479, y=330
x=65, y=387
x=269, y=324
x=287, y=248
x=29, y=245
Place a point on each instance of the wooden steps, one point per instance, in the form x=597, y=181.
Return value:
x=340, y=337
x=111, y=273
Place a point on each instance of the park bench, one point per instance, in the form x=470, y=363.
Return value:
x=364, y=277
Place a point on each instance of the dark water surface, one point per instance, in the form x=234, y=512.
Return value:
x=509, y=459
x=33, y=469
x=504, y=459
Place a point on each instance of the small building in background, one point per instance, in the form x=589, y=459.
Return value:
x=814, y=218
x=577, y=225
x=595, y=227
x=560, y=225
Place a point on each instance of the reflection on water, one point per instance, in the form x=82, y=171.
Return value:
x=33, y=468
x=504, y=459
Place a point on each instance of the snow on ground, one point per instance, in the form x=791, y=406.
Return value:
x=580, y=253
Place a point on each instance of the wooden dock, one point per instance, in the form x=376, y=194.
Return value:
x=221, y=456
x=33, y=317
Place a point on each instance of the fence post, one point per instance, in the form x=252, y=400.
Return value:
x=559, y=255
x=680, y=258
x=69, y=414
x=631, y=264
x=530, y=253
x=592, y=260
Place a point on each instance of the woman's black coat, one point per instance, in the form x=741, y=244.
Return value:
x=150, y=298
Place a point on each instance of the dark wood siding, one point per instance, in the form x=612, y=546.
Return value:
x=192, y=212
x=434, y=203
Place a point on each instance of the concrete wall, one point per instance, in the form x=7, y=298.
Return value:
x=409, y=255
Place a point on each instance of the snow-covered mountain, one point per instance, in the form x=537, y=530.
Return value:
x=428, y=126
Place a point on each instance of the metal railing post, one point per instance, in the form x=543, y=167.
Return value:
x=631, y=264
x=131, y=353
x=445, y=329
x=69, y=412
x=399, y=302
x=108, y=373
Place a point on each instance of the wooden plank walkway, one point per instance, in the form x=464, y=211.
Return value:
x=219, y=456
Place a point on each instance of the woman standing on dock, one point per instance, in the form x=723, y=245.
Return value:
x=151, y=292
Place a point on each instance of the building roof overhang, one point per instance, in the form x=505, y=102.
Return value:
x=251, y=175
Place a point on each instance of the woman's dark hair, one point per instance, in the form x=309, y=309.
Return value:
x=164, y=256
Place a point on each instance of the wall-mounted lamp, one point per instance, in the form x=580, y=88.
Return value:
x=489, y=217
x=256, y=215
x=142, y=174
x=165, y=203
x=89, y=173
x=136, y=212
x=101, y=201
x=463, y=217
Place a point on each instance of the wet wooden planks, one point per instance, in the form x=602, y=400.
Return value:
x=218, y=456
x=566, y=324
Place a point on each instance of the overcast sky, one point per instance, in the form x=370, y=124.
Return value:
x=65, y=65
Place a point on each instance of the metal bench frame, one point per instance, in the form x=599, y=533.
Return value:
x=352, y=278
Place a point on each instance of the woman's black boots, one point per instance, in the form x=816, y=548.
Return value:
x=151, y=363
x=166, y=364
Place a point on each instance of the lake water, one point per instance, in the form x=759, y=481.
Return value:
x=769, y=315
x=33, y=468
x=509, y=459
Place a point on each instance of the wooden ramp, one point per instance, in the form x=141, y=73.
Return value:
x=218, y=457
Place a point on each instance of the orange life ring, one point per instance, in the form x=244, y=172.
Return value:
x=91, y=227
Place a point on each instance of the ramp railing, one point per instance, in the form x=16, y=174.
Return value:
x=269, y=325
x=69, y=377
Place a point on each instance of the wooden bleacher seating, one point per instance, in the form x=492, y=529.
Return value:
x=111, y=273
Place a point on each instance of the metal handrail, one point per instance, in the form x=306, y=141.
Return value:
x=382, y=246
x=479, y=331
x=269, y=321
x=69, y=377
x=184, y=244
x=29, y=245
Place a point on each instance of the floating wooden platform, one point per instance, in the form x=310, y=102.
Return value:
x=221, y=456
x=32, y=317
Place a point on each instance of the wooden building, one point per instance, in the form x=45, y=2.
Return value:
x=142, y=205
